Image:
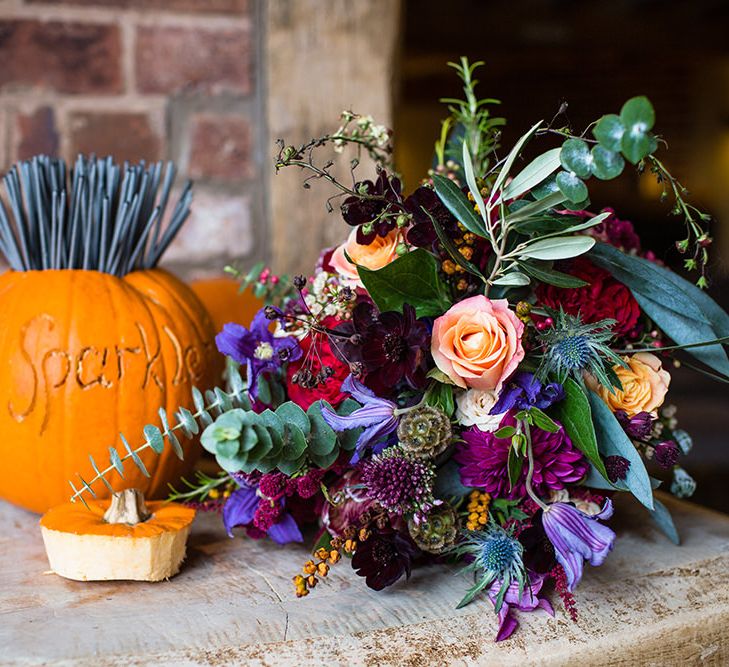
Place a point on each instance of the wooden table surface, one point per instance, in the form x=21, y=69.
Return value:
x=233, y=603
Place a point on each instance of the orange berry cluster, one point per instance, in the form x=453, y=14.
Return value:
x=324, y=558
x=478, y=510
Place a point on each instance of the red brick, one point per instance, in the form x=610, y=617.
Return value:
x=192, y=6
x=67, y=57
x=126, y=136
x=170, y=60
x=220, y=147
x=36, y=134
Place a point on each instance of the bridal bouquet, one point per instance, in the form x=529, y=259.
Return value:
x=474, y=372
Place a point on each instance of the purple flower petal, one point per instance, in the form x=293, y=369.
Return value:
x=239, y=508
x=285, y=531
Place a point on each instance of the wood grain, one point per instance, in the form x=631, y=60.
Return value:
x=233, y=603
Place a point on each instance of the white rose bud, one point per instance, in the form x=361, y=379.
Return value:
x=473, y=408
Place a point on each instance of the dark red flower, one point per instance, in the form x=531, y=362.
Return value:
x=330, y=389
x=390, y=347
x=358, y=211
x=383, y=558
x=603, y=298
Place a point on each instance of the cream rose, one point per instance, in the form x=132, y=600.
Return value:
x=473, y=408
x=377, y=254
x=477, y=343
x=644, y=381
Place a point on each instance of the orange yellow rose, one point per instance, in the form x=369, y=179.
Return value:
x=644, y=381
x=477, y=343
x=377, y=254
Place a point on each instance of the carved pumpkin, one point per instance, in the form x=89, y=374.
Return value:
x=124, y=538
x=85, y=355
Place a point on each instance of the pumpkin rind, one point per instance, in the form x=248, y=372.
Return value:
x=84, y=356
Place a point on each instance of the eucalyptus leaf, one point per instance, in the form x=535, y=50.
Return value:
x=684, y=312
x=290, y=413
x=636, y=147
x=571, y=186
x=609, y=131
x=413, y=279
x=560, y=247
x=606, y=164
x=575, y=156
x=612, y=441
x=637, y=114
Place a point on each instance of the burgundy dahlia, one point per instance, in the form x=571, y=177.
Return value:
x=484, y=462
x=383, y=558
x=389, y=347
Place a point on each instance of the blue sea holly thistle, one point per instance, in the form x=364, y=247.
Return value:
x=496, y=556
x=571, y=348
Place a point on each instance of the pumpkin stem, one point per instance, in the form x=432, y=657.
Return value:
x=127, y=507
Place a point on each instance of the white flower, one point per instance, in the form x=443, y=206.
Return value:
x=473, y=408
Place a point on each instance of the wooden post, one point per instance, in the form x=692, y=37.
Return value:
x=322, y=58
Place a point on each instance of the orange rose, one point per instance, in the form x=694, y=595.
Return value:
x=477, y=343
x=644, y=381
x=374, y=256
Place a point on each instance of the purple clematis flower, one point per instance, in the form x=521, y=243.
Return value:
x=527, y=600
x=377, y=415
x=242, y=509
x=523, y=391
x=257, y=347
x=577, y=537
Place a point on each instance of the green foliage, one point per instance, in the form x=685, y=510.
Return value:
x=413, y=279
x=284, y=439
x=575, y=415
x=439, y=395
x=215, y=403
x=258, y=278
x=662, y=518
x=612, y=441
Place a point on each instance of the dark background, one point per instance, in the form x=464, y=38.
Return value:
x=596, y=55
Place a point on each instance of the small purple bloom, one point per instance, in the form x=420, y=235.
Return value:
x=240, y=510
x=577, y=537
x=257, y=348
x=666, y=454
x=526, y=600
x=523, y=391
x=638, y=426
x=376, y=416
x=617, y=468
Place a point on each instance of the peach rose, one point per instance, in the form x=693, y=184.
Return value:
x=644, y=381
x=477, y=343
x=374, y=256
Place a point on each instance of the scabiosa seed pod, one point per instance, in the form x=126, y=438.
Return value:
x=683, y=485
x=400, y=483
x=437, y=533
x=425, y=432
x=683, y=440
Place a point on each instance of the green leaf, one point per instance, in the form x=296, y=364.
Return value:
x=116, y=461
x=637, y=115
x=322, y=439
x=575, y=415
x=550, y=276
x=535, y=208
x=451, y=248
x=264, y=390
x=609, y=132
x=575, y=157
x=636, y=147
x=515, y=464
x=513, y=279
x=472, y=185
x=412, y=279
x=513, y=154
x=440, y=396
x=448, y=482
x=543, y=421
x=684, y=312
x=153, y=437
x=458, y=204
x=294, y=443
x=539, y=169
x=606, y=164
x=505, y=432
x=612, y=441
x=560, y=247
x=662, y=518
x=290, y=413
x=572, y=187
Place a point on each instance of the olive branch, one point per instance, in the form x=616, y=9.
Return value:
x=208, y=406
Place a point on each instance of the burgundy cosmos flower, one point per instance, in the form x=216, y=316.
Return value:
x=383, y=558
x=603, y=298
x=389, y=347
x=358, y=211
x=484, y=462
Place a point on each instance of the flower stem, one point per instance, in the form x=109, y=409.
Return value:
x=530, y=471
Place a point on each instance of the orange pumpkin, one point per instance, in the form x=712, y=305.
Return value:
x=225, y=302
x=109, y=540
x=85, y=355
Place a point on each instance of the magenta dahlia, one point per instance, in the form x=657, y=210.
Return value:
x=483, y=460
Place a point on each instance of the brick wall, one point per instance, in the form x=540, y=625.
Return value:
x=152, y=79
